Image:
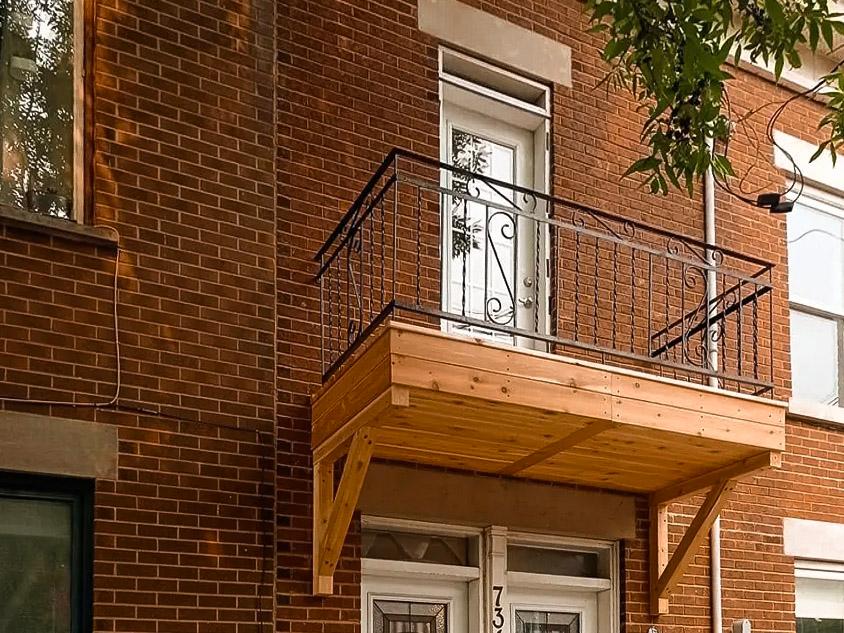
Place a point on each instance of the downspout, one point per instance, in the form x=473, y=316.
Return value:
x=712, y=291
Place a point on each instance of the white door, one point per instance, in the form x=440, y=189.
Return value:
x=553, y=610
x=413, y=605
x=490, y=263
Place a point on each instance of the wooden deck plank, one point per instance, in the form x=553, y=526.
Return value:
x=477, y=405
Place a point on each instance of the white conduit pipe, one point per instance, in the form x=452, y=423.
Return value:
x=712, y=291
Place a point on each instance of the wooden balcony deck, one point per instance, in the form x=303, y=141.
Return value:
x=424, y=396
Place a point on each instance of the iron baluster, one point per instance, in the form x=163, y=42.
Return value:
x=614, y=298
x=577, y=286
x=418, y=244
x=755, y=313
x=383, y=256
x=595, y=276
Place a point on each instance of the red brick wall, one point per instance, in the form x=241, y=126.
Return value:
x=216, y=299
x=183, y=170
x=357, y=79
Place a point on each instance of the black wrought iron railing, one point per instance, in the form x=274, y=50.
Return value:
x=437, y=245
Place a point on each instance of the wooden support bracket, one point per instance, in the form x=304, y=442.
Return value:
x=666, y=571
x=333, y=512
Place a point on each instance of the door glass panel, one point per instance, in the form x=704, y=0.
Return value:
x=814, y=358
x=398, y=616
x=483, y=238
x=35, y=565
x=547, y=622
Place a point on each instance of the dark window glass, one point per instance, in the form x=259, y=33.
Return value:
x=398, y=616
x=547, y=622
x=43, y=559
x=36, y=111
x=819, y=625
x=558, y=562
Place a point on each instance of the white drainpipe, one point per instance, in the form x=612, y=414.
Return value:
x=712, y=290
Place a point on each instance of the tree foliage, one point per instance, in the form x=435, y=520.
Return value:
x=674, y=56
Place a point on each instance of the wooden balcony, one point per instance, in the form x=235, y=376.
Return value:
x=419, y=395
x=645, y=302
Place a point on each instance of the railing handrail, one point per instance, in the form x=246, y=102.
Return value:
x=395, y=153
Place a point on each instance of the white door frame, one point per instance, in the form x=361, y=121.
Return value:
x=509, y=112
x=458, y=587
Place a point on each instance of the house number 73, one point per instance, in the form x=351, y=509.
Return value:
x=497, y=610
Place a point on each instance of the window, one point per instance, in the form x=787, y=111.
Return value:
x=816, y=293
x=45, y=561
x=40, y=111
x=819, y=597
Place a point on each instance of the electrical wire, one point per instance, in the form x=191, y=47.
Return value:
x=118, y=378
x=770, y=128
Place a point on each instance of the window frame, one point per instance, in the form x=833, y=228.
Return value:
x=833, y=205
x=79, y=493
x=820, y=570
x=83, y=121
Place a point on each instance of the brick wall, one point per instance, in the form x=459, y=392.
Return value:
x=216, y=301
x=183, y=170
x=359, y=78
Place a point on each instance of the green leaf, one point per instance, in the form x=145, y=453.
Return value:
x=814, y=35
x=649, y=163
x=826, y=31
x=775, y=12
x=778, y=66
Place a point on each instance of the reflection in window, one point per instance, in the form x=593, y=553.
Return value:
x=36, y=111
x=35, y=565
x=547, y=622
x=819, y=605
x=559, y=562
x=483, y=236
x=396, y=616
x=814, y=358
x=420, y=548
x=819, y=625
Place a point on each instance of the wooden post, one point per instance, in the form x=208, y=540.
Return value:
x=338, y=515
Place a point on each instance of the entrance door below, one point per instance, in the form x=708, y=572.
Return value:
x=395, y=605
x=553, y=610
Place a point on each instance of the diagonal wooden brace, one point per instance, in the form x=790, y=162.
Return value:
x=666, y=572
x=333, y=513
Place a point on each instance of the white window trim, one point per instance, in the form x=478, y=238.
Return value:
x=823, y=185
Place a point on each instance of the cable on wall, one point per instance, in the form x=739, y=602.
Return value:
x=115, y=312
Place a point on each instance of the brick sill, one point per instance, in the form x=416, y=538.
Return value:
x=808, y=411
x=56, y=227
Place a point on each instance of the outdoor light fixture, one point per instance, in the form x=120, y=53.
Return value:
x=741, y=626
x=774, y=203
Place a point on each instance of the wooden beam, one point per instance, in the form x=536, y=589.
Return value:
x=342, y=508
x=337, y=444
x=659, y=554
x=558, y=446
x=691, y=487
x=692, y=539
x=322, y=503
